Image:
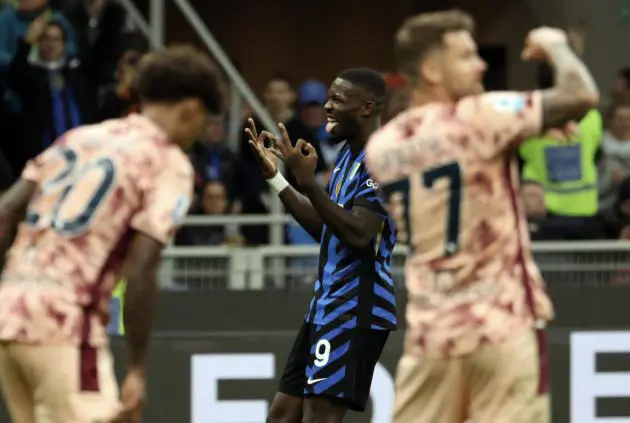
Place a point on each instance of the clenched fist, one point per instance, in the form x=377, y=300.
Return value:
x=540, y=41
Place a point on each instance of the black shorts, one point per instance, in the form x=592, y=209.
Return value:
x=333, y=362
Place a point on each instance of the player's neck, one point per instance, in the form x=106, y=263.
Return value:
x=163, y=119
x=423, y=96
x=357, y=143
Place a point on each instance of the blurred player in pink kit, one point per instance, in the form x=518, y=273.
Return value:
x=99, y=204
x=474, y=347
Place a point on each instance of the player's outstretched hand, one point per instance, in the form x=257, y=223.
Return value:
x=264, y=147
x=302, y=159
x=541, y=41
x=132, y=396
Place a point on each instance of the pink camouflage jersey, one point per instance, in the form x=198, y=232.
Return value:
x=96, y=186
x=451, y=180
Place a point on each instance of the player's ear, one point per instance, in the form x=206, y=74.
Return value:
x=430, y=69
x=369, y=109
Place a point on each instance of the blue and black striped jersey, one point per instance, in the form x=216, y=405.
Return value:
x=355, y=287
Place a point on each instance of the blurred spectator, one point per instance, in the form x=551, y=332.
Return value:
x=214, y=161
x=394, y=80
x=51, y=87
x=312, y=96
x=610, y=174
x=614, y=164
x=279, y=99
x=621, y=86
x=564, y=162
x=97, y=25
x=396, y=102
x=118, y=99
x=14, y=22
x=618, y=218
x=213, y=202
x=544, y=226
x=616, y=140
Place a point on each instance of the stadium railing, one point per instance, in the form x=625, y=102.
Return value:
x=238, y=268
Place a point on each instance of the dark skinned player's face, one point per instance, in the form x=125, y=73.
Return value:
x=347, y=108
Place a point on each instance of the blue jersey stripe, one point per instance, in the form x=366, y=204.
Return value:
x=355, y=284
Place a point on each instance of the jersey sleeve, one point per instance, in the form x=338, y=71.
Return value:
x=369, y=195
x=502, y=120
x=165, y=202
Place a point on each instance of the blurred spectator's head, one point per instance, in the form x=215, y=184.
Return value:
x=621, y=85
x=52, y=43
x=397, y=101
x=31, y=5
x=180, y=87
x=131, y=47
x=214, y=199
x=394, y=80
x=533, y=197
x=312, y=96
x=619, y=120
x=623, y=199
x=279, y=94
x=436, y=51
x=215, y=130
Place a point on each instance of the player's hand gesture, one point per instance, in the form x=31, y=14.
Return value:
x=132, y=396
x=541, y=41
x=267, y=155
x=302, y=159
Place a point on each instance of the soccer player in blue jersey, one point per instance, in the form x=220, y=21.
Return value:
x=353, y=310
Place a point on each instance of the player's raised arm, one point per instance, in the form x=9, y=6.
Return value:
x=297, y=204
x=575, y=92
x=356, y=227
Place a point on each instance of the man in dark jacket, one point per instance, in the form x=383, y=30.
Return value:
x=52, y=89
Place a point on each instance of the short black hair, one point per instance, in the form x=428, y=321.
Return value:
x=625, y=74
x=370, y=80
x=131, y=41
x=280, y=77
x=178, y=73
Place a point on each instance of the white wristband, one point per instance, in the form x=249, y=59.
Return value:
x=278, y=183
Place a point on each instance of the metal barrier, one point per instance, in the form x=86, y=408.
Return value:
x=237, y=268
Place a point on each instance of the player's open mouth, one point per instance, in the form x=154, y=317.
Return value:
x=331, y=122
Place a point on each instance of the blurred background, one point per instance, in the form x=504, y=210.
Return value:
x=239, y=274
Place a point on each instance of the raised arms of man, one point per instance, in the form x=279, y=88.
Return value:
x=297, y=204
x=356, y=227
x=574, y=92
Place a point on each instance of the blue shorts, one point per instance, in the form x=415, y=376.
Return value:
x=333, y=362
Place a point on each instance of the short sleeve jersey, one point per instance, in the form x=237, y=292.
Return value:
x=95, y=187
x=451, y=179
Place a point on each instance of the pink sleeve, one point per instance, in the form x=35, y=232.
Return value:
x=502, y=119
x=166, y=199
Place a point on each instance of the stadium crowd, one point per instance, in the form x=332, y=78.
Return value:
x=63, y=64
